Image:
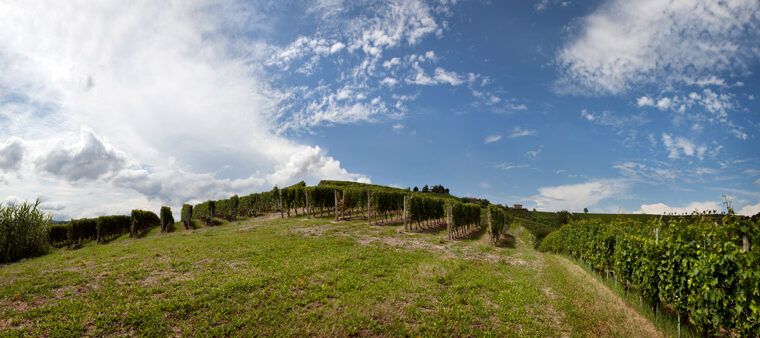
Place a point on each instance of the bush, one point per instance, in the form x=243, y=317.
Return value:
x=143, y=220
x=187, y=215
x=23, y=231
x=167, y=219
x=108, y=227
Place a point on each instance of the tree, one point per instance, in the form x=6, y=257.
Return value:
x=416, y=189
x=425, y=188
x=563, y=217
x=446, y=191
x=585, y=210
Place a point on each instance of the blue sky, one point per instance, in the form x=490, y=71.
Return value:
x=618, y=106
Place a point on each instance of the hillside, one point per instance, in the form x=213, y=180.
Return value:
x=266, y=276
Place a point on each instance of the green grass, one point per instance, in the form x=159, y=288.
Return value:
x=300, y=277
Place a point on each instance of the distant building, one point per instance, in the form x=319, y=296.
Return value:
x=517, y=206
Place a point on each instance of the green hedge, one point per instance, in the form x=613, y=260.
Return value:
x=498, y=222
x=143, y=220
x=108, y=227
x=187, y=215
x=82, y=230
x=58, y=234
x=23, y=231
x=695, y=264
x=204, y=212
x=167, y=219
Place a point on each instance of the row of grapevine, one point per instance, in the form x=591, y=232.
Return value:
x=186, y=216
x=426, y=212
x=259, y=203
x=109, y=227
x=204, y=212
x=167, y=219
x=707, y=271
x=227, y=209
x=465, y=218
x=497, y=221
x=142, y=221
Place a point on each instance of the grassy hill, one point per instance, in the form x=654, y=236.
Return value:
x=268, y=276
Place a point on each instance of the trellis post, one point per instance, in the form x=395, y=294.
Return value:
x=448, y=220
x=308, y=209
x=745, y=243
x=490, y=227
x=282, y=213
x=405, y=229
x=369, y=210
x=335, y=195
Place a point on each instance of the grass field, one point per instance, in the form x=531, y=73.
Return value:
x=269, y=276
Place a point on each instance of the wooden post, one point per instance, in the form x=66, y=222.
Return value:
x=490, y=227
x=308, y=209
x=369, y=211
x=335, y=195
x=343, y=206
x=405, y=229
x=448, y=220
x=745, y=243
x=282, y=213
x=656, y=236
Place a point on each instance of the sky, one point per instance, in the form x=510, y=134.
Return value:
x=616, y=106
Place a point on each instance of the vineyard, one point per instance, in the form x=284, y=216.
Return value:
x=707, y=271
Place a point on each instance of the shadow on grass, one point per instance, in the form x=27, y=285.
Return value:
x=507, y=241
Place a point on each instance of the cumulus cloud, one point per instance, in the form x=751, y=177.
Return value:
x=662, y=208
x=749, y=210
x=89, y=159
x=630, y=43
x=11, y=154
x=680, y=145
x=175, y=108
x=574, y=197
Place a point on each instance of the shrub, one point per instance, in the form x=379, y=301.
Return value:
x=23, y=231
x=108, y=227
x=143, y=220
x=187, y=215
x=167, y=219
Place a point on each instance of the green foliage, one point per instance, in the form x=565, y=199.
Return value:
x=186, y=215
x=258, y=204
x=108, y=227
x=421, y=208
x=204, y=212
x=499, y=222
x=464, y=215
x=58, y=234
x=167, y=219
x=82, y=230
x=385, y=201
x=695, y=264
x=23, y=231
x=142, y=221
x=563, y=217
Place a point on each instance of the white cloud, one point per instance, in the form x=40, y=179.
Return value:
x=443, y=76
x=575, y=197
x=645, y=101
x=398, y=127
x=749, y=210
x=662, y=208
x=519, y=132
x=492, y=139
x=485, y=185
x=680, y=145
x=532, y=154
x=509, y=166
x=624, y=44
x=175, y=109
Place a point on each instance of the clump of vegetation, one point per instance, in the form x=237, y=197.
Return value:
x=167, y=219
x=23, y=231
